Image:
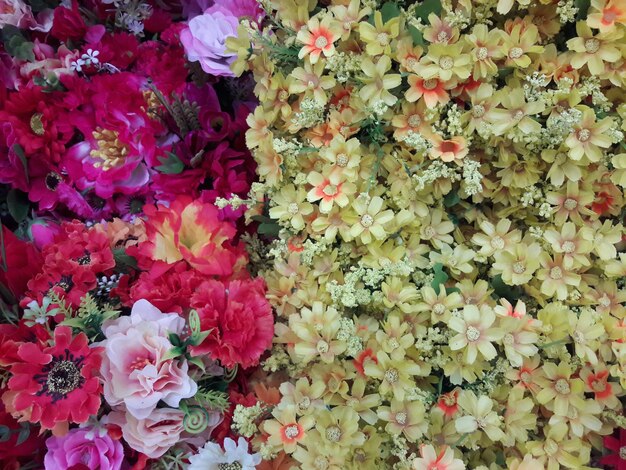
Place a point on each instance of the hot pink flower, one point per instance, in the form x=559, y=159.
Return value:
x=135, y=367
x=239, y=319
x=84, y=446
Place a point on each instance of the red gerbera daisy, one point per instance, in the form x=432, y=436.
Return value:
x=56, y=384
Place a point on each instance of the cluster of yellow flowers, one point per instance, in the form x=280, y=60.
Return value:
x=444, y=184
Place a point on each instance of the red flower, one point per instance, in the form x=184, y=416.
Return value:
x=239, y=319
x=67, y=279
x=364, y=355
x=10, y=450
x=170, y=292
x=448, y=403
x=617, y=460
x=57, y=384
x=22, y=262
x=68, y=24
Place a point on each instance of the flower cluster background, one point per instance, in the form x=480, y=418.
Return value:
x=352, y=234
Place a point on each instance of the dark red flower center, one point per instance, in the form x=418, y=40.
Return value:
x=85, y=259
x=61, y=376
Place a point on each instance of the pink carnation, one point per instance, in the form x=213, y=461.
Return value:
x=239, y=319
x=135, y=369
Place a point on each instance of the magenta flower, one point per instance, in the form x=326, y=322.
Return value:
x=84, y=446
x=616, y=443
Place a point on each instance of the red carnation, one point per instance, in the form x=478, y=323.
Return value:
x=56, y=384
x=68, y=24
x=239, y=319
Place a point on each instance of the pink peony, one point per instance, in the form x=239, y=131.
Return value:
x=135, y=369
x=239, y=319
x=84, y=448
x=204, y=40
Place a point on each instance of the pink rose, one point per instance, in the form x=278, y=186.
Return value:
x=86, y=447
x=158, y=432
x=135, y=367
x=204, y=40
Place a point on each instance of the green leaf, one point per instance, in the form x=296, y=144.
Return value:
x=270, y=229
x=23, y=434
x=440, y=276
x=504, y=72
x=427, y=7
x=583, y=9
x=124, y=261
x=175, y=339
x=451, y=199
x=389, y=11
x=170, y=165
x=18, y=204
x=418, y=37
x=196, y=361
x=5, y=433
x=19, y=151
x=510, y=293
x=197, y=338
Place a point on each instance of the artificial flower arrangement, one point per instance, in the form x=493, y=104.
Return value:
x=442, y=192
x=130, y=322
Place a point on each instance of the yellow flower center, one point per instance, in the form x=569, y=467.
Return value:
x=321, y=42
x=401, y=418
x=598, y=386
x=414, y=120
x=556, y=273
x=321, y=463
x=516, y=53
x=446, y=62
x=304, y=403
x=525, y=377
x=508, y=339
x=283, y=95
x=519, y=267
x=518, y=115
x=383, y=39
x=293, y=208
x=497, y=242
x=472, y=334
x=367, y=220
x=478, y=111
x=482, y=53
x=568, y=246
x=292, y=431
x=443, y=36
x=391, y=376
x=439, y=309
x=429, y=232
x=333, y=434
x=592, y=45
x=342, y=160
x=583, y=135
x=330, y=190
x=562, y=387
x=411, y=62
x=480, y=422
x=322, y=346
x=36, y=124
x=430, y=84
x=110, y=150
x=570, y=204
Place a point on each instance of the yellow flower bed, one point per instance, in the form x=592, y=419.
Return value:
x=442, y=188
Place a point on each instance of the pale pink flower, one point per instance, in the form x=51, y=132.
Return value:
x=431, y=460
x=136, y=369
